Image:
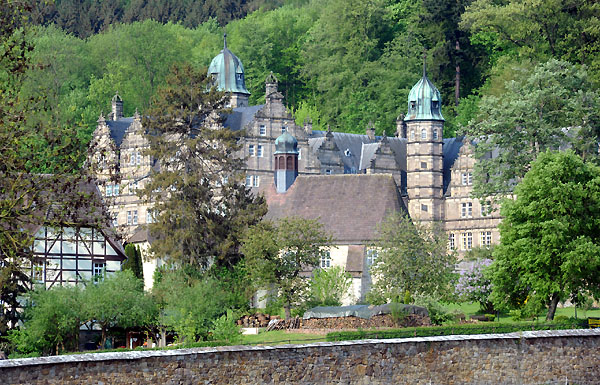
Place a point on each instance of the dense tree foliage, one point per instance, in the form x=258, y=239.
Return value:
x=202, y=207
x=551, y=106
x=413, y=258
x=550, y=246
x=276, y=253
x=134, y=261
x=84, y=18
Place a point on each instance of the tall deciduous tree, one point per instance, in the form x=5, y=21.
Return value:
x=550, y=236
x=412, y=258
x=276, y=253
x=202, y=207
x=552, y=106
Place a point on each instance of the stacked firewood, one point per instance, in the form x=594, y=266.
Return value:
x=281, y=324
x=352, y=322
x=258, y=320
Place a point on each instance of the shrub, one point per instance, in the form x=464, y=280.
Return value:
x=225, y=329
x=474, y=285
x=329, y=286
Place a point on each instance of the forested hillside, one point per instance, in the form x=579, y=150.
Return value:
x=343, y=62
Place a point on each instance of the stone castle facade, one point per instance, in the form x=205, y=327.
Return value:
x=433, y=175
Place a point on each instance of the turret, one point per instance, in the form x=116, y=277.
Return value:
x=424, y=155
x=117, y=107
x=286, y=161
x=227, y=72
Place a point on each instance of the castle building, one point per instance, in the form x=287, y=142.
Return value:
x=432, y=175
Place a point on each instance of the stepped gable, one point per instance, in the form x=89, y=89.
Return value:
x=338, y=202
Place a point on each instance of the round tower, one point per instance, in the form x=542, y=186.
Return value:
x=424, y=155
x=227, y=72
x=286, y=161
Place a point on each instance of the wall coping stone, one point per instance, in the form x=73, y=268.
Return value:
x=141, y=354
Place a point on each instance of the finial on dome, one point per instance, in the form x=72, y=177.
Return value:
x=224, y=40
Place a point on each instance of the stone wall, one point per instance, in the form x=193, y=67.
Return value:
x=515, y=358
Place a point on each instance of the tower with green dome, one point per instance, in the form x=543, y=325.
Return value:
x=227, y=72
x=424, y=156
x=286, y=161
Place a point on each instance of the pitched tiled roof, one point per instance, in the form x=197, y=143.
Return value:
x=349, y=206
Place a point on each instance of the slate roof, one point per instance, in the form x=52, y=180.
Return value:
x=241, y=116
x=349, y=206
x=141, y=234
x=118, y=128
x=362, y=151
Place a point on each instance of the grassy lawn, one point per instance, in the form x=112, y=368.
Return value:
x=277, y=337
x=473, y=308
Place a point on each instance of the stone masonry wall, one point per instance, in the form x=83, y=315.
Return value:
x=515, y=358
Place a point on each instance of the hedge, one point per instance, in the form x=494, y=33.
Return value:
x=428, y=331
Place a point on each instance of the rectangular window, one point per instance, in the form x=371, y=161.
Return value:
x=466, y=210
x=299, y=153
x=109, y=190
x=423, y=134
x=435, y=134
x=262, y=130
x=325, y=260
x=259, y=151
x=467, y=178
x=467, y=241
x=116, y=190
x=99, y=269
x=248, y=180
x=129, y=217
x=37, y=273
x=251, y=150
x=135, y=217
x=485, y=238
x=149, y=216
x=327, y=172
x=424, y=208
x=451, y=243
x=486, y=208
x=372, y=255
x=132, y=159
x=138, y=159
x=423, y=165
x=256, y=180
x=115, y=222
x=283, y=129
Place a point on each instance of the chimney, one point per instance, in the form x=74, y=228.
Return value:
x=400, y=127
x=371, y=131
x=270, y=85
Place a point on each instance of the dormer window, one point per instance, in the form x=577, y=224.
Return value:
x=239, y=76
x=434, y=104
x=347, y=152
x=413, y=104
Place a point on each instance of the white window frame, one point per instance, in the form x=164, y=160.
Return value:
x=435, y=134
x=129, y=216
x=132, y=159
x=466, y=240
x=466, y=210
x=262, y=130
x=251, y=150
x=451, y=241
x=138, y=158
x=256, y=181
x=109, y=190
x=248, y=180
x=99, y=269
x=372, y=256
x=260, y=151
x=485, y=238
x=116, y=190
x=134, y=219
x=423, y=133
x=325, y=260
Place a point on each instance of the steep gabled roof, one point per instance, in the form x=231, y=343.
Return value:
x=349, y=206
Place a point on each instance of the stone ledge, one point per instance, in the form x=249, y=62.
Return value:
x=135, y=355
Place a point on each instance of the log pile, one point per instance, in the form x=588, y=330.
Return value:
x=363, y=323
x=281, y=324
x=258, y=320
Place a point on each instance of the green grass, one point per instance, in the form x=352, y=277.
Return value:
x=471, y=308
x=276, y=337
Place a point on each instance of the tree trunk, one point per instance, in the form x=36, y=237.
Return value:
x=288, y=313
x=103, y=340
x=552, y=307
x=163, y=337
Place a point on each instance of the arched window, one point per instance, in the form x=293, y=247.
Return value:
x=281, y=163
x=290, y=163
x=423, y=133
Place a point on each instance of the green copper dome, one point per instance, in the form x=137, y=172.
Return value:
x=228, y=71
x=424, y=101
x=286, y=144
